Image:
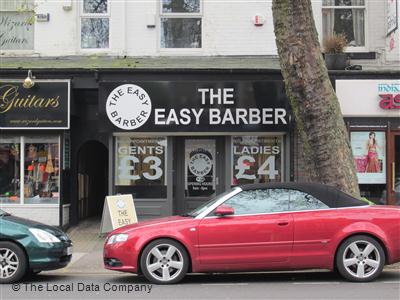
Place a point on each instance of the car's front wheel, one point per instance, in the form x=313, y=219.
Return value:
x=360, y=258
x=164, y=261
x=13, y=262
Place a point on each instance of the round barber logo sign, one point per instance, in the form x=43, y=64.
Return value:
x=128, y=106
x=200, y=164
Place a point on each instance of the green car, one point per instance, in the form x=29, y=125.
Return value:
x=28, y=247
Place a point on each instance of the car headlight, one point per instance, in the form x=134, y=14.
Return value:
x=43, y=236
x=117, y=238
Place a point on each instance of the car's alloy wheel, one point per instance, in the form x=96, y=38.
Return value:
x=164, y=261
x=360, y=258
x=12, y=262
x=9, y=263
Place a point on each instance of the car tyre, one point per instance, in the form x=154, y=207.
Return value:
x=360, y=258
x=164, y=261
x=13, y=262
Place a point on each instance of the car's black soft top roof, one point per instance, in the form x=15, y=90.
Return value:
x=330, y=195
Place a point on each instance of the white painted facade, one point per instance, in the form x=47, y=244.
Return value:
x=227, y=30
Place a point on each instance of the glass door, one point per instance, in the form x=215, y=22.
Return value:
x=394, y=169
x=198, y=164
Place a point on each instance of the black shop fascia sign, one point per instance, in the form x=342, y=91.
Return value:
x=186, y=106
x=45, y=105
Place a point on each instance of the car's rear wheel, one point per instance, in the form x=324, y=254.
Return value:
x=164, y=261
x=13, y=262
x=360, y=258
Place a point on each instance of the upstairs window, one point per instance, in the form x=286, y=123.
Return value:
x=345, y=17
x=181, y=24
x=95, y=24
x=17, y=20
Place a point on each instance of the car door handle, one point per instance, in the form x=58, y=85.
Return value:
x=283, y=223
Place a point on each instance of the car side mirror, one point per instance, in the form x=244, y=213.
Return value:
x=224, y=210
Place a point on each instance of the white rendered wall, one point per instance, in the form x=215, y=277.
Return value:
x=228, y=29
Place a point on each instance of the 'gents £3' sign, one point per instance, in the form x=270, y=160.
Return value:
x=44, y=106
x=194, y=106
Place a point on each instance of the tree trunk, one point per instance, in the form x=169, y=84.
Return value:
x=314, y=103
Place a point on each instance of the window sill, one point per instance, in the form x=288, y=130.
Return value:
x=361, y=55
x=180, y=51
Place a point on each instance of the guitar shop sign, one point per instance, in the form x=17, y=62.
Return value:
x=193, y=106
x=378, y=98
x=43, y=106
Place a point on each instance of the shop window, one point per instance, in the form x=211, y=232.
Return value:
x=140, y=167
x=95, y=24
x=41, y=171
x=259, y=201
x=369, y=151
x=303, y=201
x=345, y=17
x=39, y=182
x=181, y=24
x=16, y=24
x=10, y=170
x=256, y=159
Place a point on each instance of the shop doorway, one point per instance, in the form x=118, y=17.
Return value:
x=199, y=164
x=92, y=179
x=393, y=186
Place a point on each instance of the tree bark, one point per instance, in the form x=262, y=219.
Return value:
x=316, y=109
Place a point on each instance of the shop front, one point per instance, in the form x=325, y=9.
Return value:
x=176, y=144
x=371, y=108
x=32, y=125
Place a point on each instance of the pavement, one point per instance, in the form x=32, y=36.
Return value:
x=87, y=249
x=85, y=278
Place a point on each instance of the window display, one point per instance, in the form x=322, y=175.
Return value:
x=10, y=170
x=256, y=159
x=370, y=156
x=41, y=170
x=39, y=182
x=140, y=164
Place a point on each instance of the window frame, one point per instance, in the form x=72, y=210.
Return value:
x=22, y=51
x=83, y=15
x=350, y=49
x=184, y=15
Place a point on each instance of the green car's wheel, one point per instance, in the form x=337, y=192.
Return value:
x=13, y=262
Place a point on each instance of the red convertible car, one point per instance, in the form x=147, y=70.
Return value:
x=279, y=226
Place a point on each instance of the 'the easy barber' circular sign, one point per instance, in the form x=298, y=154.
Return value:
x=128, y=106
